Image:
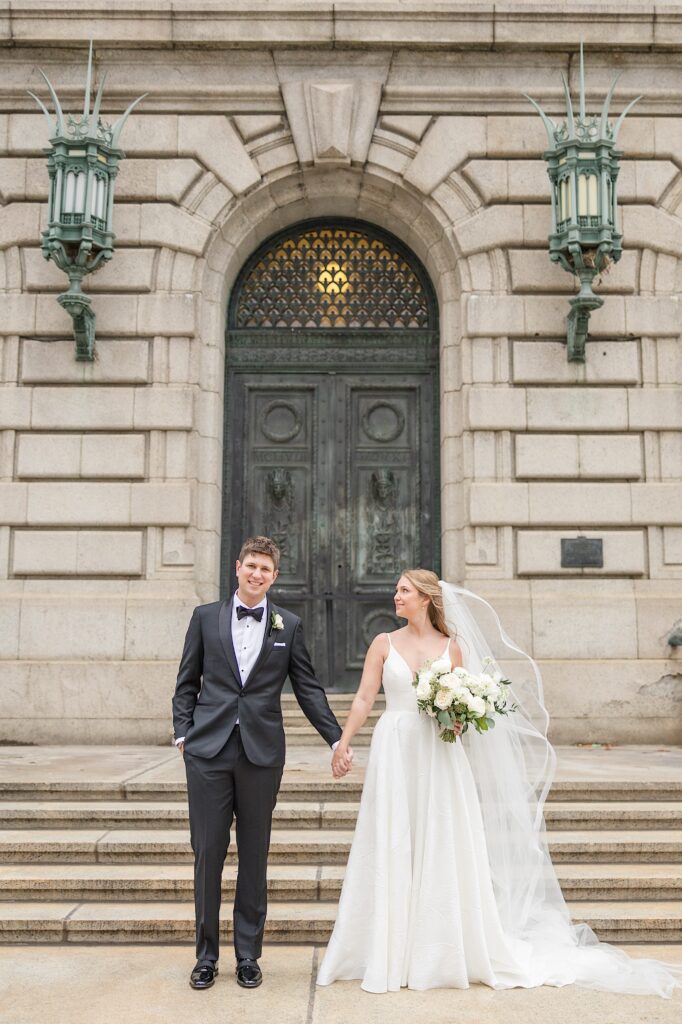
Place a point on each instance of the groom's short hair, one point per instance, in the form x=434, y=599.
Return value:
x=260, y=546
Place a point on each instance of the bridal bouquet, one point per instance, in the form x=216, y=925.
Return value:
x=455, y=695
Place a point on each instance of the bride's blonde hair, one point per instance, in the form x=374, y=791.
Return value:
x=426, y=583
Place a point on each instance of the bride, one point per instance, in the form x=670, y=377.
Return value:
x=449, y=879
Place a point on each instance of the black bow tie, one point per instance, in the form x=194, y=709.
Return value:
x=255, y=613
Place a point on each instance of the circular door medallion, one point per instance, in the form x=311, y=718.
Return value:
x=378, y=622
x=281, y=422
x=383, y=422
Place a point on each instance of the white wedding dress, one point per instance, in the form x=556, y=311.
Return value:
x=418, y=906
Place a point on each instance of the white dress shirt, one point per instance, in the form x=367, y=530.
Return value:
x=247, y=638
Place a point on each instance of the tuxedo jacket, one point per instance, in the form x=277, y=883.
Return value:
x=209, y=696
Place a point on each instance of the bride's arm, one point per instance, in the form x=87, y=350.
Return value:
x=363, y=701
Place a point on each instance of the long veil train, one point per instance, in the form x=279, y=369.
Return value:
x=514, y=766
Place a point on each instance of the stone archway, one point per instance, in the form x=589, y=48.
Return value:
x=342, y=192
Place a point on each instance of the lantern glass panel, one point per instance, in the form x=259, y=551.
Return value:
x=69, y=191
x=565, y=200
x=101, y=198
x=609, y=191
x=79, y=202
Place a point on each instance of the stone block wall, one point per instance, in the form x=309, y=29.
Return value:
x=410, y=116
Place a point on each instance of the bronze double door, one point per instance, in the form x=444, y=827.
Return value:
x=340, y=469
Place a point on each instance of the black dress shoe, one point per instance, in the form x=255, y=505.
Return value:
x=248, y=973
x=203, y=975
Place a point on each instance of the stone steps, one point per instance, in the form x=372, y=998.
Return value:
x=94, y=846
x=300, y=731
x=304, y=846
x=308, y=814
x=294, y=882
x=321, y=787
x=301, y=734
x=614, y=921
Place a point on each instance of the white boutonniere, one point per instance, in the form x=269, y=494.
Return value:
x=276, y=622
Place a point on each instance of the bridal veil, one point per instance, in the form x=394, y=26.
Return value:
x=514, y=766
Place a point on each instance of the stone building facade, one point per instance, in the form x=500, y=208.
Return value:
x=407, y=117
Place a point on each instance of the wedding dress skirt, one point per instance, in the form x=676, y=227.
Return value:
x=418, y=906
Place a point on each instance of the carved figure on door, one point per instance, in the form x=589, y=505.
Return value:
x=384, y=524
x=280, y=501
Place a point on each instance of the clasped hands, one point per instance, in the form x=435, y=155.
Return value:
x=342, y=761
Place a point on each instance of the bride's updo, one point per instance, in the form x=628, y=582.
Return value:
x=426, y=583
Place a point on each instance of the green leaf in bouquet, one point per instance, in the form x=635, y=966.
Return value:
x=491, y=722
x=482, y=724
x=445, y=719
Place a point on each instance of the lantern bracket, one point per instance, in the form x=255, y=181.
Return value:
x=586, y=265
x=578, y=322
x=79, y=308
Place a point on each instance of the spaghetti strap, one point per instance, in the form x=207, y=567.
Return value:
x=447, y=648
x=389, y=640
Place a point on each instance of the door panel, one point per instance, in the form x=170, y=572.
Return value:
x=277, y=485
x=382, y=486
x=338, y=470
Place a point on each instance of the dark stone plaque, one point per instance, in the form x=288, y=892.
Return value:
x=582, y=553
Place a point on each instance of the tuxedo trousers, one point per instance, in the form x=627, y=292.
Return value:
x=221, y=789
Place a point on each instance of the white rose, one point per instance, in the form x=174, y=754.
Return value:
x=425, y=676
x=448, y=680
x=440, y=665
x=461, y=673
x=423, y=690
x=477, y=705
x=443, y=699
x=461, y=695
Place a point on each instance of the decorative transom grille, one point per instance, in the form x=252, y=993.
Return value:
x=332, y=277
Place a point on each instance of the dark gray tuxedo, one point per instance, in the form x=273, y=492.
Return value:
x=237, y=771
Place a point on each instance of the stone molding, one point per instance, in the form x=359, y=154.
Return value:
x=332, y=23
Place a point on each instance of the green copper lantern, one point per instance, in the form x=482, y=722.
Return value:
x=583, y=164
x=82, y=162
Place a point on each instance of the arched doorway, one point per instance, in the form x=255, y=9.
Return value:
x=331, y=428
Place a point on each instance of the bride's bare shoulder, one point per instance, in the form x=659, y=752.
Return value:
x=381, y=645
x=455, y=654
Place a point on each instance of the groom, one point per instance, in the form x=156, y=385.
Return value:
x=227, y=721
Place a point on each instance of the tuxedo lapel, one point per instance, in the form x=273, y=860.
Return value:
x=225, y=633
x=268, y=644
